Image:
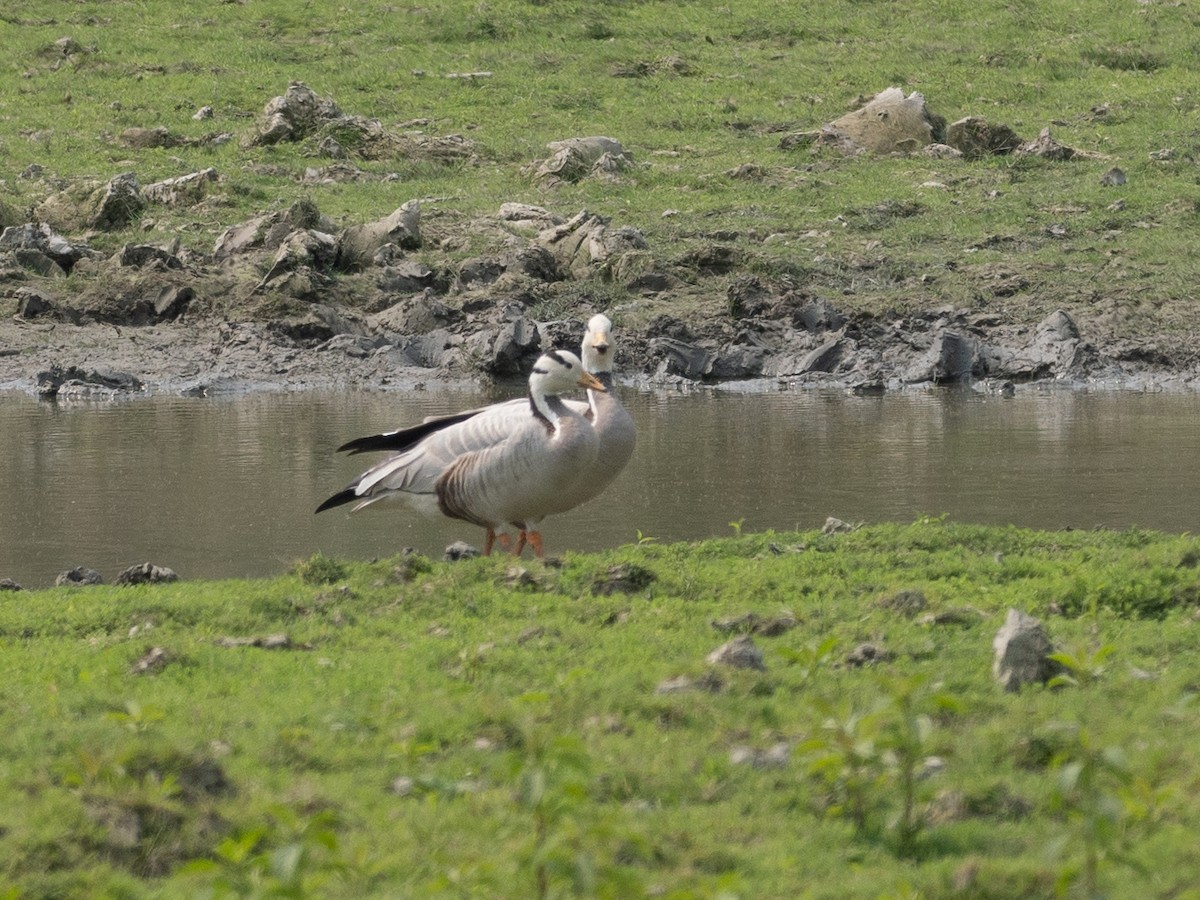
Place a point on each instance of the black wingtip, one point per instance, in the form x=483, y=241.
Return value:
x=405, y=438
x=372, y=442
x=338, y=499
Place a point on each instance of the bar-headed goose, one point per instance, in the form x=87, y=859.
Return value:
x=522, y=474
x=488, y=425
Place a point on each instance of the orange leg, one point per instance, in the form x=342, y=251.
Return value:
x=504, y=540
x=535, y=541
x=520, y=544
x=489, y=541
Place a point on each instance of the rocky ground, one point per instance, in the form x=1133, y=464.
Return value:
x=290, y=300
x=150, y=326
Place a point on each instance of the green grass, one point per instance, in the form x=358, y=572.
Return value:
x=448, y=730
x=716, y=86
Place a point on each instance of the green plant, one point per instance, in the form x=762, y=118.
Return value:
x=1091, y=784
x=552, y=774
x=292, y=856
x=904, y=737
x=137, y=717
x=810, y=658
x=845, y=756
x=320, y=569
x=1083, y=665
x=872, y=759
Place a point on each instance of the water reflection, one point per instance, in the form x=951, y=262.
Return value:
x=223, y=488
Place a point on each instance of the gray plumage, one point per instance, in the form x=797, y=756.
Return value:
x=513, y=465
x=446, y=437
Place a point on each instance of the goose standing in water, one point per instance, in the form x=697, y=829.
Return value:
x=487, y=425
x=523, y=474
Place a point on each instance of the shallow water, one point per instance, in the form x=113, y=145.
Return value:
x=227, y=487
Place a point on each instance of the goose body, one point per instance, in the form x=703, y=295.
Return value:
x=476, y=429
x=509, y=467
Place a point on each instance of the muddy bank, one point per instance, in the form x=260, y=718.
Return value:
x=811, y=345
x=292, y=301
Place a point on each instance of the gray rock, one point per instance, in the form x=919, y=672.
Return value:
x=407, y=277
x=626, y=578
x=738, y=362
x=866, y=655
x=889, y=122
x=834, y=525
x=1022, y=652
x=460, y=550
x=824, y=358
x=7, y=584
x=949, y=360
x=478, y=272
x=172, y=302
x=268, y=231
x=294, y=115
x=576, y=158
x=359, y=243
x=32, y=303
x=44, y=240
x=774, y=757
x=139, y=255
x=118, y=203
x=818, y=317
x=709, y=682
x=681, y=358
x=740, y=653
x=38, y=262
x=78, y=577
x=526, y=215
x=584, y=244
x=76, y=383
x=513, y=346
x=146, y=573
x=302, y=249
x=181, y=190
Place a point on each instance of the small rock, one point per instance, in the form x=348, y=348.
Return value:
x=531, y=633
x=78, y=576
x=519, y=577
x=741, y=653
x=626, y=578
x=975, y=137
x=153, y=662
x=32, y=303
x=1022, y=652
x=204, y=112
x=775, y=757
x=146, y=573
x=1114, y=177
x=867, y=655
x=964, y=616
x=907, y=603
x=278, y=641
x=709, y=681
x=931, y=766
x=753, y=623
x=402, y=786
x=836, y=526
x=460, y=550
x=7, y=584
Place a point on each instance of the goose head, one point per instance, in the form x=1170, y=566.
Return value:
x=597, y=344
x=559, y=371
